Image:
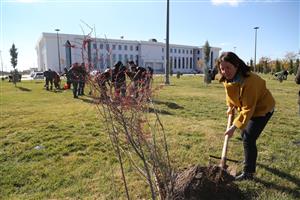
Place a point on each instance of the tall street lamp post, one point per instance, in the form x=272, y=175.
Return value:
x=59, y=67
x=255, y=47
x=167, y=81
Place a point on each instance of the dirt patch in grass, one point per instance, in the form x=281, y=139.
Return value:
x=212, y=182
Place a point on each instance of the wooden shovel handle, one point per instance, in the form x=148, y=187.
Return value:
x=225, y=144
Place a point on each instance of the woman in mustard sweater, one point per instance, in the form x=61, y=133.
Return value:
x=246, y=92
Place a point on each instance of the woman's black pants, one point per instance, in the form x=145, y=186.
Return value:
x=250, y=134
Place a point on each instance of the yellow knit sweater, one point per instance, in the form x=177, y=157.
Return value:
x=251, y=98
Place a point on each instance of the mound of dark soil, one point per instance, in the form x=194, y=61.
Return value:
x=198, y=183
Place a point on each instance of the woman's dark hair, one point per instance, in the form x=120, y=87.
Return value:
x=232, y=58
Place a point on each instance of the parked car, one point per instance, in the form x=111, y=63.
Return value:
x=38, y=75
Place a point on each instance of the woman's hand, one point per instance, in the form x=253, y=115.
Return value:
x=229, y=110
x=230, y=131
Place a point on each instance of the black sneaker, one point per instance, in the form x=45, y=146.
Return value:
x=244, y=176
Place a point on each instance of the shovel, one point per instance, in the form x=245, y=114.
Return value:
x=225, y=144
x=224, y=150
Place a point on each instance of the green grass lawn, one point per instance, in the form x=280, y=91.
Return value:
x=75, y=158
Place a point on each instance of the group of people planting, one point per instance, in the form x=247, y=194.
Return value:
x=114, y=77
x=51, y=77
x=140, y=80
x=76, y=76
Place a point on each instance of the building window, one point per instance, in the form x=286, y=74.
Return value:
x=171, y=50
x=120, y=47
x=95, y=60
x=171, y=62
x=179, y=51
x=114, y=47
x=175, y=63
x=198, y=52
x=187, y=62
x=137, y=48
x=95, y=46
x=125, y=47
x=131, y=57
x=107, y=47
x=114, y=58
x=101, y=60
x=162, y=49
x=183, y=64
x=120, y=57
x=191, y=63
x=137, y=59
x=183, y=51
x=179, y=63
x=108, y=64
x=211, y=58
x=191, y=52
x=131, y=48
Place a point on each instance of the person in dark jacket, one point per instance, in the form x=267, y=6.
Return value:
x=56, y=79
x=68, y=76
x=82, y=79
x=102, y=79
x=74, y=74
x=139, y=78
x=297, y=78
x=149, y=77
x=119, y=79
x=49, y=79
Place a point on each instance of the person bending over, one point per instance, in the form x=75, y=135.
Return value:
x=246, y=92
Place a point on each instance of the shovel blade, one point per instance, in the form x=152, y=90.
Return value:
x=232, y=169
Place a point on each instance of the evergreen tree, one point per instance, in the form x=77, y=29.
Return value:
x=207, y=68
x=206, y=50
x=14, y=56
x=14, y=61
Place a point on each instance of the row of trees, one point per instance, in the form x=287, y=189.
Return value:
x=289, y=63
x=265, y=65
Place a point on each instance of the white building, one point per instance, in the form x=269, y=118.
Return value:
x=101, y=53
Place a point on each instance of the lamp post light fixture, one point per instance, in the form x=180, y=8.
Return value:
x=58, y=51
x=255, y=47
